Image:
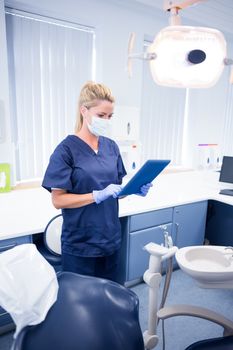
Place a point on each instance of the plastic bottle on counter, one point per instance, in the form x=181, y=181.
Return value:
x=134, y=159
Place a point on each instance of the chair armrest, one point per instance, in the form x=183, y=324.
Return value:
x=196, y=311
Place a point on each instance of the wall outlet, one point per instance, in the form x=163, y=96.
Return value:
x=5, y=177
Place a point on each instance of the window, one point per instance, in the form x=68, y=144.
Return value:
x=162, y=120
x=49, y=61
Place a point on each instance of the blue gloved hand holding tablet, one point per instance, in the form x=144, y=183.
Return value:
x=144, y=190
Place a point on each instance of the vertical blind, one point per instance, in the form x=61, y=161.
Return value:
x=162, y=121
x=49, y=61
x=227, y=144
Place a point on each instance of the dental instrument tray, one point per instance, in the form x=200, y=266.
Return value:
x=146, y=174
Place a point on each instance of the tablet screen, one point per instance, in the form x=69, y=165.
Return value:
x=147, y=173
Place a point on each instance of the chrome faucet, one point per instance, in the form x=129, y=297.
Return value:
x=168, y=243
x=230, y=252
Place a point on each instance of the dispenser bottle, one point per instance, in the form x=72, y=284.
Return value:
x=134, y=160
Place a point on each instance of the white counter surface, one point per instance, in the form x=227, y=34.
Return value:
x=25, y=212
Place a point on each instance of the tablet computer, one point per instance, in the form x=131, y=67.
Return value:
x=145, y=174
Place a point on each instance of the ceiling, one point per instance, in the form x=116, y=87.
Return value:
x=210, y=13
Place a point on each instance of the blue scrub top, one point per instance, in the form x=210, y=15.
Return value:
x=94, y=229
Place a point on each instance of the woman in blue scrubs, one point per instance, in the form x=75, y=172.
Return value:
x=84, y=176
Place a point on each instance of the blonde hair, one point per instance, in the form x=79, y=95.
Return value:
x=91, y=93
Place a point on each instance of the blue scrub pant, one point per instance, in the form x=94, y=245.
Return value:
x=104, y=266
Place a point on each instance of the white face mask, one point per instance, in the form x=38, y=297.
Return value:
x=100, y=126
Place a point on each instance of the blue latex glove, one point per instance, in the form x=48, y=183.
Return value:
x=144, y=189
x=110, y=191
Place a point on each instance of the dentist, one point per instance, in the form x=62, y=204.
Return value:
x=84, y=176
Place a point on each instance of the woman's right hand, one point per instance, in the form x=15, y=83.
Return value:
x=109, y=191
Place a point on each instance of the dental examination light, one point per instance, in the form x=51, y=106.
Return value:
x=184, y=56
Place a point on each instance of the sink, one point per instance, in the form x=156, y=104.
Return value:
x=211, y=266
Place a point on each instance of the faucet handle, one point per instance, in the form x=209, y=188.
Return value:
x=228, y=247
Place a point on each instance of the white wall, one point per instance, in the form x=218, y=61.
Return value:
x=113, y=24
x=113, y=20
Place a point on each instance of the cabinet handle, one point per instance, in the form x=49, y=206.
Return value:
x=128, y=128
x=176, y=232
x=5, y=247
x=3, y=313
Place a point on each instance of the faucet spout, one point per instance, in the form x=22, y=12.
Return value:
x=228, y=251
x=229, y=247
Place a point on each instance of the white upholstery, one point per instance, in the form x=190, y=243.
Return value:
x=53, y=234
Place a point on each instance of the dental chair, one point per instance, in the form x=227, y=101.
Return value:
x=89, y=314
x=223, y=343
x=95, y=314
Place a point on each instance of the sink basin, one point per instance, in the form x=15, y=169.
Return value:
x=210, y=266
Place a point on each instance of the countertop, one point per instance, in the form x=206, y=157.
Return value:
x=27, y=211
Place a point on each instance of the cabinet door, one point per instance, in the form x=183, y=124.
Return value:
x=189, y=224
x=139, y=258
x=125, y=123
x=219, y=226
x=6, y=322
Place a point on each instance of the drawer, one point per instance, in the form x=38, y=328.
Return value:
x=5, y=318
x=150, y=219
x=6, y=244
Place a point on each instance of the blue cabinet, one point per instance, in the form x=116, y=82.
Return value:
x=6, y=244
x=6, y=322
x=145, y=228
x=189, y=223
x=219, y=226
x=138, y=257
x=150, y=219
x=185, y=223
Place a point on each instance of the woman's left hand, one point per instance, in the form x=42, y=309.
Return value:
x=144, y=189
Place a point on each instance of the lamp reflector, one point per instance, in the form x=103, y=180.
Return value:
x=188, y=57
